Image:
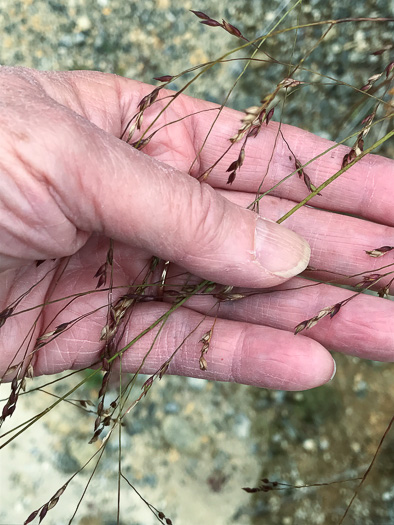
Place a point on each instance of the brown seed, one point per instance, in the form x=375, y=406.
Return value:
x=148, y=383
x=200, y=14
x=203, y=363
x=231, y=29
x=31, y=517
x=43, y=512
x=254, y=131
x=11, y=370
x=335, y=309
x=233, y=166
x=100, y=408
x=269, y=116
x=300, y=327
x=52, y=503
x=231, y=177
x=290, y=82
x=60, y=328
x=298, y=166
x=206, y=337
x=367, y=118
x=382, y=50
x=140, y=144
x=5, y=314
x=163, y=369
x=345, y=160
x=101, y=281
x=389, y=68
x=164, y=78
x=384, y=292
x=374, y=78
x=101, y=270
x=379, y=252
x=96, y=435
x=211, y=22
x=60, y=492
x=307, y=181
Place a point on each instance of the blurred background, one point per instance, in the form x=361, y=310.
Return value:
x=191, y=445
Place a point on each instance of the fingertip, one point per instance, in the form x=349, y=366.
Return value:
x=279, y=250
x=274, y=359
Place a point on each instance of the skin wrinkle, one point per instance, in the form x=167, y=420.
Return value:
x=70, y=98
x=105, y=122
x=43, y=173
x=37, y=235
x=10, y=186
x=64, y=359
x=368, y=195
x=207, y=237
x=91, y=205
x=188, y=129
x=354, y=330
x=283, y=367
x=85, y=356
x=247, y=349
x=237, y=357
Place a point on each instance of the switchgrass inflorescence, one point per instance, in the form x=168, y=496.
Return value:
x=158, y=282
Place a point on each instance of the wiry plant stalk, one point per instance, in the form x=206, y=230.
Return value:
x=120, y=310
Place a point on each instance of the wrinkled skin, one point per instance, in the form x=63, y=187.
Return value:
x=69, y=184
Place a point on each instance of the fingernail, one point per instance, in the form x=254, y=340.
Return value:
x=335, y=370
x=280, y=250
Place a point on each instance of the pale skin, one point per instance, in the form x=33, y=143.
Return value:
x=69, y=184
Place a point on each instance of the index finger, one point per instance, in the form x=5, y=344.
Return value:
x=365, y=190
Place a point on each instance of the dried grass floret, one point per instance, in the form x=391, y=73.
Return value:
x=309, y=323
x=42, y=511
x=208, y=21
x=379, y=252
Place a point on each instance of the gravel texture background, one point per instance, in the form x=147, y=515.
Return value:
x=192, y=445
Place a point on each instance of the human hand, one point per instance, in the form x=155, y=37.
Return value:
x=69, y=184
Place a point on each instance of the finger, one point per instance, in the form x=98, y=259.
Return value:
x=365, y=190
x=238, y=352
x=338, y=242
x=363, y=327
x=67, y=287
x=101, y=184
